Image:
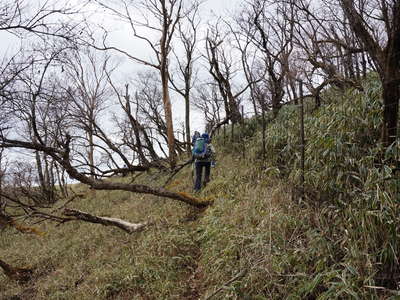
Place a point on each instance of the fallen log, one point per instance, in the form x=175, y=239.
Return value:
x=124, y=225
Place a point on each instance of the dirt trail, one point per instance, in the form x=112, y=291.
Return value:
x=194, y=279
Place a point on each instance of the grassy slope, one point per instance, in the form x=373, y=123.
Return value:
x=186, y=253
x=280, y=249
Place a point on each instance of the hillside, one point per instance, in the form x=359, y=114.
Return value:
x=257, y=241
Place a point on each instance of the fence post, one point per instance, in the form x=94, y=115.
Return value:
x=224, y=133
x=302, y=140
x=232, y=131
x=242, y=135
x=264, y=126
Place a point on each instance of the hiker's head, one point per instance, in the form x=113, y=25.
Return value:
x=195, y=136
x=206, y=137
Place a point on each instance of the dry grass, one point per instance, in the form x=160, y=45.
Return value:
x=185, y=253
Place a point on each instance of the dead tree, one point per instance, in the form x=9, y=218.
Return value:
x=222, y=72
x=208, y=101
x=64, y=156
x=134, y=134
x=326, y=45
x=161, y=17
x=88, y=91
x=268, y=25
x=188, y=36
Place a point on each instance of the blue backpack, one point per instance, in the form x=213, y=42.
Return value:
x=200, y=149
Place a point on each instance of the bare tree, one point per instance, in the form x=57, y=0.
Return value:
x=49, y=135
x=43, y=19
x=87, y=75
x=33, y=108
x=377, y=26
x=209, y=101
x=222, y=70
x=336, y=37
x=161, y=18
x=149, y=105
x=188, y=36
x=135, y=134
x=36, y=113
x=269, y=27
x=47, y=20
x=323, y=37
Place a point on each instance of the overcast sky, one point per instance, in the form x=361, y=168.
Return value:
x=210, y=9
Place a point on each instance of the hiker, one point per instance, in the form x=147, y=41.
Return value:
x=204, y=158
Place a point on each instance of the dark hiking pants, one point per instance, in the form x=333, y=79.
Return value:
x=199, y=165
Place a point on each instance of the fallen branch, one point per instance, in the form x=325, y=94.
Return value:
x=176, y=171
x=240, y=275
x=6, y=220
x=62, y=156
x=124, y=225
x=19, y=274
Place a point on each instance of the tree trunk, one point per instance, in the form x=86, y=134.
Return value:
x=391, y=96
x=386, y=60
x=163, y=58
x=39, y=169
x=187, y=122
x=2, y=173
x=235, y=115
x=136, y=128
x=91, y=148
x=168, y=119
x=61, y=181
x=49, y=180
x=364, y=65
